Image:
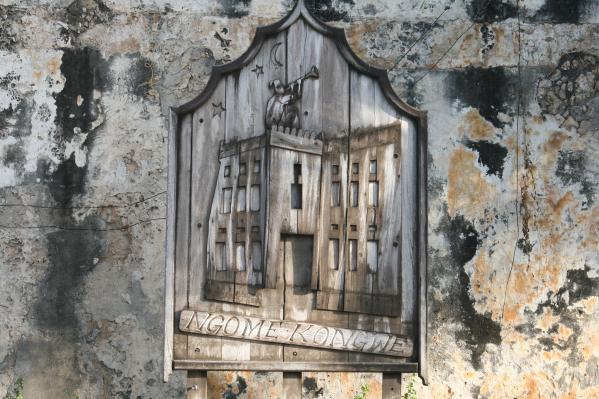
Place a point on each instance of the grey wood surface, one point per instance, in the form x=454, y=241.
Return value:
x=301, y=280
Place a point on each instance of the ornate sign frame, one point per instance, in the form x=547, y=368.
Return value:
x=285, y=154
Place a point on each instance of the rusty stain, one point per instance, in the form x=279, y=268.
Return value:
x=477, y=127
x=467, y=188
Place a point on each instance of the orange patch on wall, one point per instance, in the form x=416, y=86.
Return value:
x=467, y=190
x=130, y=45
x=476, y=127
x=546, y=320
x=54, y=65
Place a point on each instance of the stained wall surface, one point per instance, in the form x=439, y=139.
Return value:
x=512, y=92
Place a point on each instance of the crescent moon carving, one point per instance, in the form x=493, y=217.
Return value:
x=273, y=55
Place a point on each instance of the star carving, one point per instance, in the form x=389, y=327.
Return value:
x=217, y=109
x=258, y=69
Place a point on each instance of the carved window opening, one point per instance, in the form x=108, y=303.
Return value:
x=372, y=255
x=334, y=254
x=220, y=256
x=335, y=193
x=354, y=194
x=373, y=167
x=353, y=255
x=257, y=166
x=240, y=256
x=242, y=168
x=241, y=200
x=256, y=256
x=227, y=171
x=296, y=187
x=255, y=198
x=226, y=200
x=373, y=194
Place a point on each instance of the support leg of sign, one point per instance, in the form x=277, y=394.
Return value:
x=196, y=385
x=292, y=385
x=392, y=385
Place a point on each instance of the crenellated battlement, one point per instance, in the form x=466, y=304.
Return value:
x=306, y=134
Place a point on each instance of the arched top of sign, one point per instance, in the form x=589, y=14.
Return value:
x=337, y=34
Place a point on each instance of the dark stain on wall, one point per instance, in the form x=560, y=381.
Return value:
x=572, y=169
x=568, y=89
x=490, y=10
x=237, y=389
x=311, y=388
x=235, y=8
x=142, y=73
x=490, y=90
x=67, y=181
x=578, y=286
x=326, y=11
x=8, y=39
x=83, y=14
x=84, y=70
x=16, y=122
x=72, y=254
x=491, y=155
x=479, y=329
x=560, y=11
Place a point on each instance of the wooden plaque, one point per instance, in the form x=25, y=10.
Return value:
x=296, y=228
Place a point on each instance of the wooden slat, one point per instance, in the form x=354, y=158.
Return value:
x=292, y=385
x=391, y=386
x=403, y=367
x=169, y=280
x=331, y=271
x=299, y=300
x=196, y=385
x=208, y=131
x=183, y=217
x=409, y=185
x=248, y=92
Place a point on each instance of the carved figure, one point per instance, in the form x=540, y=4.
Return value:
x=281, y=108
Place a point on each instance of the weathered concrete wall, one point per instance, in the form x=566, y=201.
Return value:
x=514, y=220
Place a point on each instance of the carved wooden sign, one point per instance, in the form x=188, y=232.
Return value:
x=295, y=333
x=297, y=213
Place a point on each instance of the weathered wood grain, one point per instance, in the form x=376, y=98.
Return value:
x=169, y=275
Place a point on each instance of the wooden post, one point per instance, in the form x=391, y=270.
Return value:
x=196, y=385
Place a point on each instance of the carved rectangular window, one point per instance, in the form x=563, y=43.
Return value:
x=242, y=168
x=255, y=197
x=296, y=187
x=256, y=256
x=240, y=256
x=241, y=199
x=226, y=200
x=355, y=168
x=373, y=167
x=335, y=170
x=220, y=257
x=334, y=253
x=354, y=193
x=335, y=194
x=373, y=193
x=257, y=166
x=372, y=255
x=227, y=171
x=353, y=255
